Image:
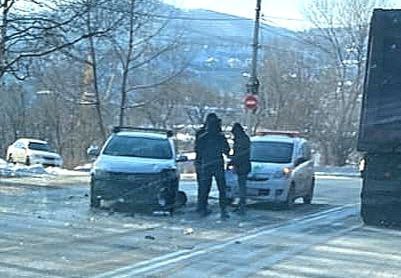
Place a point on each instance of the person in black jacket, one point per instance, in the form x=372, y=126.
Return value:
x=241, y=162
x=198, y=160
x=211, y=146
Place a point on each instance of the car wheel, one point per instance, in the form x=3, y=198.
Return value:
x=369, y=215
x=290, y=198
x=94, y=200
x=181, y=199
x=308, y=198
x=27, y=161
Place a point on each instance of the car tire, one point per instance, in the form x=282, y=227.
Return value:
x=308, y=198
x=289, y=203
x=181, y=199
x=94, y=200
x=27, y=161
x=369, y=215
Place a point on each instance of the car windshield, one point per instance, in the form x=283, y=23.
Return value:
x=271, y=152
x=39, y=147
x=139, y=147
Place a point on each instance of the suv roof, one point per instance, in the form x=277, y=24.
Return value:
x=142, y=134
x=30, y=140
x=277, y=138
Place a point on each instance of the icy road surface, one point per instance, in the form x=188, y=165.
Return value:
x=47, y=230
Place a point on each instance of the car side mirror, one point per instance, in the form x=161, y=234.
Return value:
x=182, y=158
x=93, y=151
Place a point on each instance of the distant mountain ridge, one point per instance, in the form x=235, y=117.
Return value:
x=221, y=45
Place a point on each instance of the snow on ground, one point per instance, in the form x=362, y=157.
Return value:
x=84, y=168
x=64, y=172
x=11, y=170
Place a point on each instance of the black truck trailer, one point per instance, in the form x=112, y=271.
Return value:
x=380, y=125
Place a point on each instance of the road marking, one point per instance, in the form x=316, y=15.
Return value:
x=174, y=257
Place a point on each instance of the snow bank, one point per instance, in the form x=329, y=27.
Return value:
x=84, y=168
x=64, y=172
x=11, y=170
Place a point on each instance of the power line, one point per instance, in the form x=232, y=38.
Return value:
x=283, y=18
x=194, y=18
x=186, y=18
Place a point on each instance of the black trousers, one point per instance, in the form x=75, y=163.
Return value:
x=242, y=190
x=198, y=170
x=207, y=174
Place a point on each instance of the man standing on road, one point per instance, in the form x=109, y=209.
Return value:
x=241, y=162
x=198, y=160
x=212, y=145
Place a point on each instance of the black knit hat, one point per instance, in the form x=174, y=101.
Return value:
x=211, y=117
x=237, y=127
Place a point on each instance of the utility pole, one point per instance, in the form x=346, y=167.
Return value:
x=252, y=87
x=253, y=83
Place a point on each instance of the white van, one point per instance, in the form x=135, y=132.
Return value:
x=282, y=170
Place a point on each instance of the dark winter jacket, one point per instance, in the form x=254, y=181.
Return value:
x=198, y=133
x=211, y=146
x=241, y=156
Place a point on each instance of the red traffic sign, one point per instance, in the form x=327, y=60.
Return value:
x=251, y=101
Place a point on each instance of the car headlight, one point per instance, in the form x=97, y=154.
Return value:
x=285, y=172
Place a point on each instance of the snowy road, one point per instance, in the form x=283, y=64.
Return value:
x=47, y=230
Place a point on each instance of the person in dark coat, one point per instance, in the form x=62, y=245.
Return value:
x=198, y=160
x=212, y=145
x=241, y=162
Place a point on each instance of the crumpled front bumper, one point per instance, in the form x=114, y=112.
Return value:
x=141, y=190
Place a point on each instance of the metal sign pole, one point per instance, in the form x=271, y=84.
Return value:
x=253, y=84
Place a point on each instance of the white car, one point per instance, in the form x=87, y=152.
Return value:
x=282, y=170
x=31, y=151
x=137, y=167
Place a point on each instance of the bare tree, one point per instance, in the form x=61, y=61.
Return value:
x=143, y=46
x=340, y=35
x=27, y=27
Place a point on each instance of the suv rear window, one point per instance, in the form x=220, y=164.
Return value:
x=139, y=147
x=39, y=147
x=271, y=152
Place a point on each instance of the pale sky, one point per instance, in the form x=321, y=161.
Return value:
x=289, y=10
x=284, y=13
